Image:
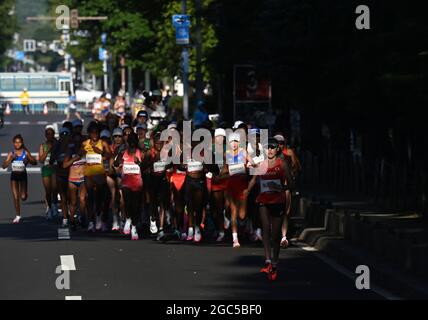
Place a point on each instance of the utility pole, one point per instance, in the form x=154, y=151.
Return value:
x=122, y=74
x=199, y=78
x=185, y=57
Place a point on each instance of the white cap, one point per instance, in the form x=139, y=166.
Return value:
x=220, y=132
x=51, y=127
x=237, y=124
x=108, y=96
x=279, y=138
x=234, y=137
x=172, y=126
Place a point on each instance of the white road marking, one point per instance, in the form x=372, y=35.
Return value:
x=382, y=292
x=63, y=234
x=24, y=123
x=34, y=154
x=73, y=298
x=29, y=170
x=67, y=263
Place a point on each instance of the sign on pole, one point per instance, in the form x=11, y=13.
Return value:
x=102, y=54
x=29, y=45
x=181, y=23
x=19, y=55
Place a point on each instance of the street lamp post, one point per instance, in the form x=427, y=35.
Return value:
x=185, y=57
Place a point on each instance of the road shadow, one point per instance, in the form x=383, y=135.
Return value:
x=30, y=229
x=301, y=276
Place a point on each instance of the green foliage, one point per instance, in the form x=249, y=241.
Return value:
x=142, y=31
x=7, y=26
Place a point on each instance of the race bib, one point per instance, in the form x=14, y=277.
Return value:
x=159, y=166
x=129, y=169
x=195, y=166
x=94, y=158
x=47, y=160
x=78, y=162
x=258, y=159
x=18, y=166
x=235, y=169
x=270, y=185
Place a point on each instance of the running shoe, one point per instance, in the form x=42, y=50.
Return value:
x=273, y=273
x=115, y=226
x=220, y=237
x=177, y=234
x=134, y=233
x=258, y=235
x=48, y=213
x=226, y=223
x=198, y=235
x=153, y=226
x=16, y=220
x=99, y=224
x=284, y=242
x=236, y=244
x=183, y=236
x=160, y=236
x=64, y=223
x=266, y=269
x=202, y=226
x=190, y=235
x=127, y=228
x=91, y=227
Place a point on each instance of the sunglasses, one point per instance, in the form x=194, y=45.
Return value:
x=271, y=146
x=117, y=137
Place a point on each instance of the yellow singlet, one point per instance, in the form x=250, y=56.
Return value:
x=94, y=161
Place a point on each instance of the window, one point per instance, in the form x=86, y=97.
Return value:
x=21, y=83
x=37, y=84
x=50, y=83
x=7, y=84
x=65, y=86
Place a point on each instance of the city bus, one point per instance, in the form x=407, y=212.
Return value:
x=51, y=88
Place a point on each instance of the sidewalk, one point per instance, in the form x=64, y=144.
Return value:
x=353, y=232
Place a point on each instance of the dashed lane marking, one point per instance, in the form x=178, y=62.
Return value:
x=67, y=263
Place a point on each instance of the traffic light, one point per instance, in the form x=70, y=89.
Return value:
x=74, y=19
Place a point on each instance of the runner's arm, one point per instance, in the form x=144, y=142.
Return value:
x=8, y=161
x=31, y=159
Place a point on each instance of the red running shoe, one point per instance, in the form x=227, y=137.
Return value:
x=266, y=269
x=273, y=274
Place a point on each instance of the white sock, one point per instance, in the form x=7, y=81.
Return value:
x=235, y=236
x=221, y=233
x=268, y=261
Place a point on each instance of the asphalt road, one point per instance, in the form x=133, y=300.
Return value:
x=109, y=266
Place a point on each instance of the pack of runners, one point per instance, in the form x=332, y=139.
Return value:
x=119, y=177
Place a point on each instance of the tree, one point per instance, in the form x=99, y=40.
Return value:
x=7, y=26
